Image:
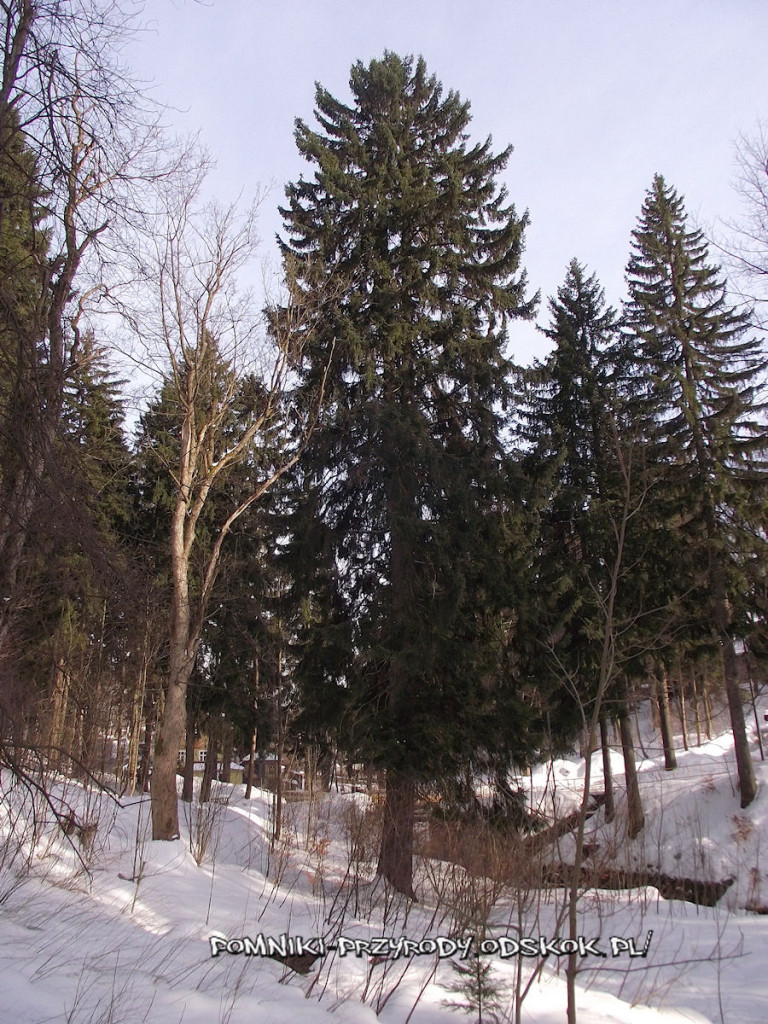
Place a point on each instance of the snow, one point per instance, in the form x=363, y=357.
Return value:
x=129, y=940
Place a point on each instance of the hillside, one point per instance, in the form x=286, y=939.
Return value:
x=130, y=940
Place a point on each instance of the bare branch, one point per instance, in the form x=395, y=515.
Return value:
x=193, y=314
x=746, y=243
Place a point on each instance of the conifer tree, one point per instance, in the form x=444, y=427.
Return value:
x=697, y=373
x=566, y=425
x=400, y=535
x=74, y=631
x=571, y=422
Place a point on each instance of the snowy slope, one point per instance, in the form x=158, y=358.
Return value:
x=132, y=941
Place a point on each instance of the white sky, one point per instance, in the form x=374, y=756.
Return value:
x=595, y=95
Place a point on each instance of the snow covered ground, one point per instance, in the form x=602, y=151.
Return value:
x=132, y=941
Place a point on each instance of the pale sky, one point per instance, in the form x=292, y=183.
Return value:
x=596, y=96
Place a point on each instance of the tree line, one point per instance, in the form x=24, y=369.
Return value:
x=349, y=525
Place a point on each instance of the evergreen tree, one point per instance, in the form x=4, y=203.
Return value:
x=567, y=427
x=247, y=636
x=74, y=632
x=401, y=534
x=696, y=375
x=566, y=409
x=577, y=438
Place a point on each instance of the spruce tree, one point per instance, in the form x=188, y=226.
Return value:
x=577, y=438
x=566, y=426
x=696, y=374
x=74, y=632
x=399, y=538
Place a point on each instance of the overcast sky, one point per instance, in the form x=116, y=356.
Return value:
x=595, y=95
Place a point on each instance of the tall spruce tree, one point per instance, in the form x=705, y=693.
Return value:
x=697, y=375
x=566, y=426
x=579, y=442
x=401, y=533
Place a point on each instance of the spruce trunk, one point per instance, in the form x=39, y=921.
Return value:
x=610, y=808
x=396, y=853
x=683, y=708
x=188, y=788
x=211, y=762
x=744, y=765
x=149, y=728
x=635, y=815
x=665, y=721
x=226, y=753
x=251, y=767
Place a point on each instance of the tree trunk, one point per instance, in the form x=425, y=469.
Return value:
x=211, y=762
x=188, y=789
x=254, y=734
x=89, y=736
x=278, y=804
x=683, y=707
x=396, y=853
x=183, y=647
x=326, y=767
x=59, y=703
x=149, y=727
x=73, y=740
x=665, y=720
x=635, y=815
x=170, y=735
x=707, y=704
x=696, y=706
x=119, y=736
x=70, y=734
x=113, y=728
x=753, y=697
x=251, y=766
x=134, y=731
x=744, y=765
x=226, y=752
x=610, y=807
x=278, y=827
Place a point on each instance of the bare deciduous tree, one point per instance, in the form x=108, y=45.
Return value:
x=95, y=141
x=747, y=246
x=210, y=338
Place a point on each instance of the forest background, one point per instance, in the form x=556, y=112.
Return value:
x=160, y=581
